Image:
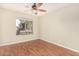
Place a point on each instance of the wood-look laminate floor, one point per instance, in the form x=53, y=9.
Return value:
x=35, y=48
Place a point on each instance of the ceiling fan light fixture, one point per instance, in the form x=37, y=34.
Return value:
x=34, y=12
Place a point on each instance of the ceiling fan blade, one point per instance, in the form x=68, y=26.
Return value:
x=42, y=10
x=38, y=4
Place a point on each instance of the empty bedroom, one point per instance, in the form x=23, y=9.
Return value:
x=39, y=29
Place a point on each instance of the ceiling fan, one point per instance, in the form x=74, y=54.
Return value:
x=36, y=7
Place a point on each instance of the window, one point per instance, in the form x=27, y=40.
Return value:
x=24, y=26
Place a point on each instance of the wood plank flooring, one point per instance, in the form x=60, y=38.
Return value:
x=35, y=48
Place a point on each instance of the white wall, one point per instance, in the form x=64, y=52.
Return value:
x=0, y=26
x=8, y=26
x=62, y=26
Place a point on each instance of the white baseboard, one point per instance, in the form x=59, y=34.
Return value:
x=63, y=46
x=44, y=40
x=16, y=42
